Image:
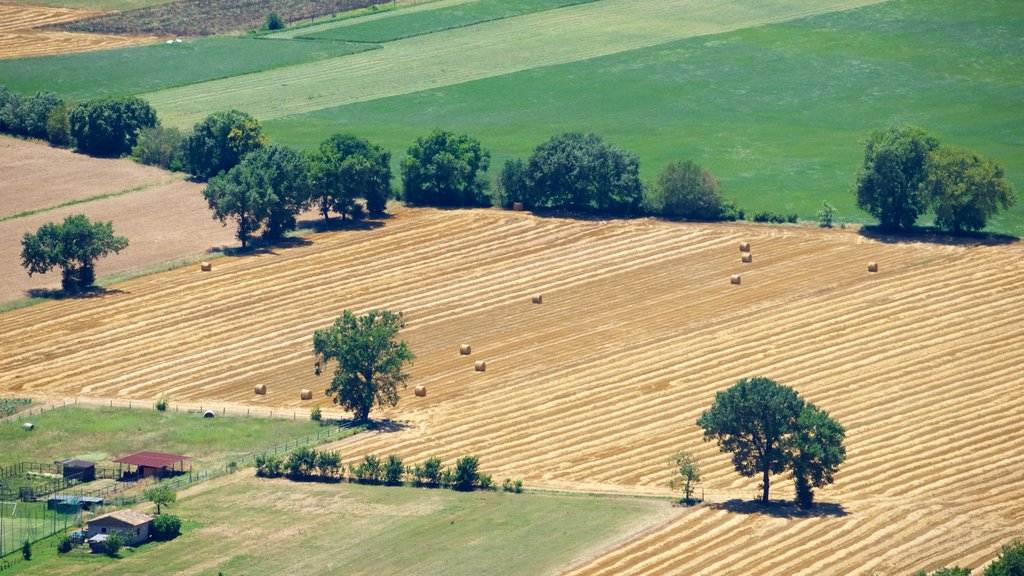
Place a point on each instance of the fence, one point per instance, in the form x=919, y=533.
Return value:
x=33, y=522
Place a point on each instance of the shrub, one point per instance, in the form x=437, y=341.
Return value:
x=369, y=470
x=328, y=463
x=447, y=477
x=161, y=403
x=166, y=527
x=268, y=465
x=160, y=146
x=301, y=463
x=315, y=414
x=485, y=482
x=65, y=545
x=429, y=472
x=766, y=216
x=273, y=22
x=686, y=190
x=26, y=550
x=393, y=470
x=113, y=544
x=466, y=477
x=826, y=214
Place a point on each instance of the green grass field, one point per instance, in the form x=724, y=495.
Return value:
x=248, y=525
x=407, y=24
x=137, y=69
x=99, y=434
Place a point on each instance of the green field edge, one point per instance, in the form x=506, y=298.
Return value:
x=124, y=192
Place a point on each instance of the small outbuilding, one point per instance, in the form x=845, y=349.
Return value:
x=158, y=464
x=81, y=470
x=72, y=504
x=134, y=526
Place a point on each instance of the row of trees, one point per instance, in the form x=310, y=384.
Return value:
x=1009, y=562
x=908, y=172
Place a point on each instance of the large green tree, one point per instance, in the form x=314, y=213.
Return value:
x=686, y=190
x=446, y=169
x=220, y=141
x=347, y=167
x=964, y=189
x=110, y=126
x=370, y=360
x=73, y=245
x=815, y=450
x=889, y=182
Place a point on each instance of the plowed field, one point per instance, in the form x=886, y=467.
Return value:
x=19, y=37
x=596, y=388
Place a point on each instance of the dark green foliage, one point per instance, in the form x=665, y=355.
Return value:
x=301, y=463
x=268, y=465
x=947, y=571
x=315, y=414
x=513, y=486
x=113, y=544
x=582, y=173
x=65, y=545
x=58, y=127
x=218, y=143
x=512, y=182
x=686, y=190
x=485, y=482
x=889, y=183
x=1010, y=561
x=772, y=217
x=826, y=214
x=466, y=477
x=26, y=116
x=26, y=550
x=273, y=22
x=369, y=470
x=10, y=108
x=161, y=403
x=109, y=126
x=370, y=360
x=429, y=472
x=160, y=146
x=446, y=169
x=73, y=246
x=165, y=527
x=964, y=189
x=816, y=451
x=161, y=496
x=328, y=463
x=752, y=419
x=393, y=470
x=347, y=167
x=9, y=405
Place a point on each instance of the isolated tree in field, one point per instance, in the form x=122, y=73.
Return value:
x=110, y=126
x=73, y=245
x=964, y=189
x=446, y=169
x=581, y=172
x=753, y=419
x=347, y=167
x=889, y=183
x=370, y=360
x=816, y=450
x=161, y=496
x=686, y=190
x=220, y=141
x=687, y=474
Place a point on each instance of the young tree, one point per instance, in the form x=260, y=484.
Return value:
x=110, y=126
x=26, y=549
x=161, y=496
x=964, y=189
x=688, y=474
x=393, y=470
x=466, y=475
x=429, y=472
x=581, y=172
x=889, y=183
x=826, y=214
x=220, y=141
x=753, y=420
x=347, y=167
x=370, y=360
x=816, y=451
x=446, y=169
x=686, y=190
x=73, y=246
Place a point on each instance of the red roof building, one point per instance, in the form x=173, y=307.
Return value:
x=154, y=463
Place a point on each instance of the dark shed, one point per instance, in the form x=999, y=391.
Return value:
x=81, y=470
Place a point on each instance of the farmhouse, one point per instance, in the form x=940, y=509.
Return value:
x=158, y=464
x=134, y=526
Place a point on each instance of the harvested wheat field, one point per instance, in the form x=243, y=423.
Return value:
x=597, y=386
x=21, y=38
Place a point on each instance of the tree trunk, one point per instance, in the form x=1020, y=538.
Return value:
x=764, y=484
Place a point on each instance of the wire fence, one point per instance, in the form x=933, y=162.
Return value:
x=31, y=522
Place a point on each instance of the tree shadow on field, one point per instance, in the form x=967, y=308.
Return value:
x=935, y=236
x=258, y=247
x=337, y=224
x=91, y=292
x=782, y=509
x=386, y=426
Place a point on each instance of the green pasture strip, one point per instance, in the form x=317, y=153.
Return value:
x=428, y=21
x=359, y=16
x=490, y=49
x=99, y=433
x=776, y=113
x=136, y=69
x=254, y=526
x=89, y=199
x=112, y=5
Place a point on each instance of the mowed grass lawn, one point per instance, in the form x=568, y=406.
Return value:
x=404, y=25
x=777, y=113
x=246, y=525
x=100, y=434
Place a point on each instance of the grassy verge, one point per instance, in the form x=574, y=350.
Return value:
x=249, y=526
x=89, y=199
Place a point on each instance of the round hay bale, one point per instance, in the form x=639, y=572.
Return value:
x=538, y=299
x=465, y=349
x=734, y=279
x=261, y=389
x=209, y=414
x=744, y=246
x=872, y=266
x=480, y=366
x=747, y=258
x=306, y=394
x=421, y=390
x=206, y=267
x=517, y=206
x=28, y=426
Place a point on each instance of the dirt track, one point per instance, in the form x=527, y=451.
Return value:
x=599, y=385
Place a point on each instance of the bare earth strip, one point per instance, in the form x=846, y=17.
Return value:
x=489, y=49
x=595, y=388
x=20, y=39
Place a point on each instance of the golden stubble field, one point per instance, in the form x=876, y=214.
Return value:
x=598, y=386
x=21, y=36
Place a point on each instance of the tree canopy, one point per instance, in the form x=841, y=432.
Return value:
x=769, y=429
x=964, y=189
x=161, y=496
x=446, y=169
x=370, y=360
x=347, y=167
x=109, y=126
x=219, y=141
x=889, y=183
x=73, y=245
x=686, y=190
